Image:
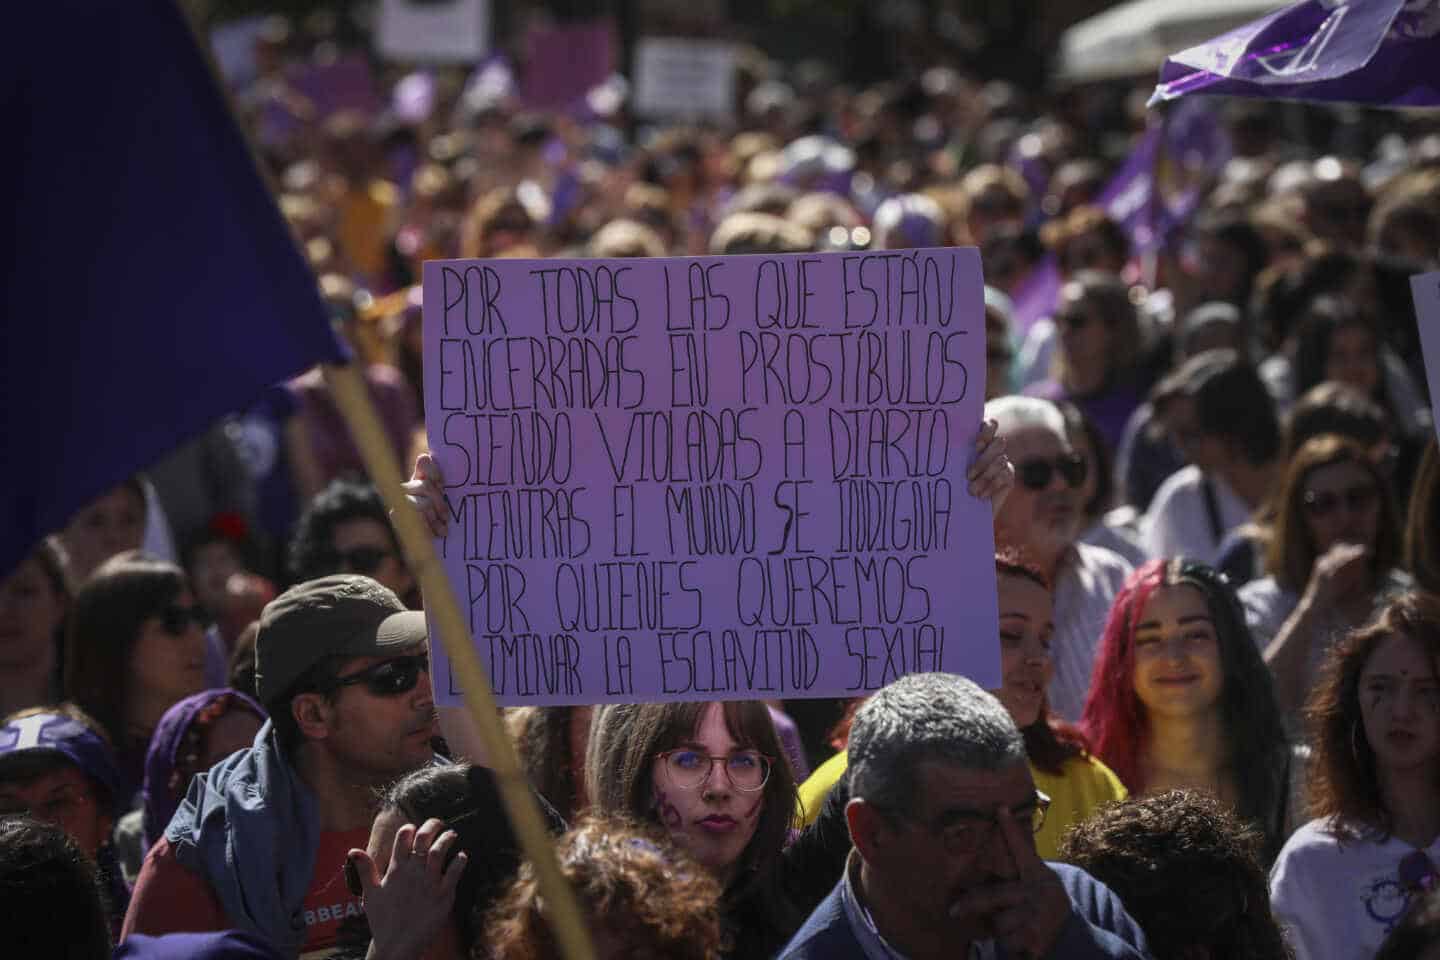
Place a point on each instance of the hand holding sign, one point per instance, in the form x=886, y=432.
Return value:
x=716, y=477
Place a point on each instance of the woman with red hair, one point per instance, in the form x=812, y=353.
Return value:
x=1180, y=699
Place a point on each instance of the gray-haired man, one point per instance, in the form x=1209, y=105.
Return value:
x=942, y=814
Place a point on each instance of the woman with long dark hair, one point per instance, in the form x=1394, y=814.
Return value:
x=135, y=647
x=714, y=776
x=1180, y=698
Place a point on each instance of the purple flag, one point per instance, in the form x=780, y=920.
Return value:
x=1154, y=191
x=152, y=285
x=1378, y=52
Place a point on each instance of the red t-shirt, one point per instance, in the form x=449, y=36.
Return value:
x=170, y=898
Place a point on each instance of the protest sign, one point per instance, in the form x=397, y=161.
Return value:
x=682, y=79
x=712, y=478
x=1426, y=290
x=434, y=31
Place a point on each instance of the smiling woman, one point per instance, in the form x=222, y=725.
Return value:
x=1181, y=699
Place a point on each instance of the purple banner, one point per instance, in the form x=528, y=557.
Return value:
x=712, y=478
x=1378, y=52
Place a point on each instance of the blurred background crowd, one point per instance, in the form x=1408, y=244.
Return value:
x=1200, y=343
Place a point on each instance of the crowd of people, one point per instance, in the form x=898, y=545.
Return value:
x=1216, y=496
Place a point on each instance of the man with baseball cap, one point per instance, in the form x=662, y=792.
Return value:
x=259, y=842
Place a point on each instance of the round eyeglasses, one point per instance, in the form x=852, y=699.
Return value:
x=689, y=769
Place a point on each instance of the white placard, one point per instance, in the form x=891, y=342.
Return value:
x=679, y=78
x=1425, y=288
x=430, y=31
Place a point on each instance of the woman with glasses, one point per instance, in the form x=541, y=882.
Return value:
x=135, y=647
x=1346, y=878
x=714, y=777
x=1331, y=560
x=1100, y=346
x=1180, y=698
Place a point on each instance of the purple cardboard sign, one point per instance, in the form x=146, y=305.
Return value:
x=712, y=478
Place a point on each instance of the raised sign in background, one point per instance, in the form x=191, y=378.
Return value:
x=712, y=478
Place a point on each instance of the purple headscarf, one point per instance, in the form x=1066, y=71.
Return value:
x=161, y=795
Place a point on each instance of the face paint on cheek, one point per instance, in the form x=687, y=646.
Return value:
x=754, y=810
x=666, y=812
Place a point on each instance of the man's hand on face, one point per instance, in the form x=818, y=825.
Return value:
x=1024, y=911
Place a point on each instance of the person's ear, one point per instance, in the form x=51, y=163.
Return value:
x=870, y=831
x=312, y=715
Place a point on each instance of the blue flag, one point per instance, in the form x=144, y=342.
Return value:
x=152, y=285
x=1376, y=52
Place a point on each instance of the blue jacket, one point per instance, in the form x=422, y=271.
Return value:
x=1098, y=928
x=250, y=826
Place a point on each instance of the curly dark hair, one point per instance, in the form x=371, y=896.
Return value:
x=1187, y=869
x=1344, y=783
x=631, y=883
x=310, y=553
x=43, y=875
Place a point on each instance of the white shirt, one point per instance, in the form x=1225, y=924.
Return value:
x=1178, y=521
x=1338, y=901
x=1085, y=586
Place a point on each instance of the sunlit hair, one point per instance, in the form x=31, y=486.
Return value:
x=1344, y=782
x=651, y=898
x=1422, y=528
x=1292, y=552
x=625, y=738
x=1117, y=722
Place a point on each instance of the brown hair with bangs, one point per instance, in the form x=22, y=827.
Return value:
x=625, y=737
x=1344, y=782
x=1291, y=554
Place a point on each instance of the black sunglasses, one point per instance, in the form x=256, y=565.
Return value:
x=1325, y=502
x=175, y=619
x=1035, y=474
x=388, y=678
x=361, y=560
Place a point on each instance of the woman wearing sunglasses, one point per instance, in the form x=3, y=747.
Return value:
x=1180, y=698
x=135, y=647
x=1100, y=344
x=1347, y=877
x=1330, y=561
x=713, y=775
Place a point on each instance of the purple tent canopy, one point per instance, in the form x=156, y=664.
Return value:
x=1375, y=52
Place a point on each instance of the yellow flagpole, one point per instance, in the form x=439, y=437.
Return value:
x=347, y=386
x=442, y=609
